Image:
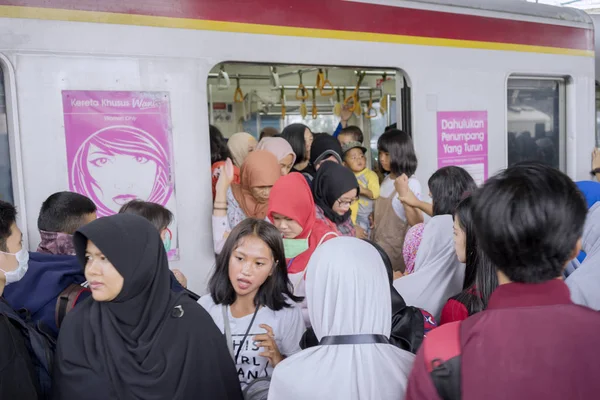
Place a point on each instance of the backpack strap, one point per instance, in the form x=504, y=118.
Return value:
x=442, y=359
x=66, y=301
x=325, y=235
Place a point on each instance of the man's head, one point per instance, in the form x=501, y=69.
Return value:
x=158, y=215
x=10, y=237
x=350, y=134
x=65, y=212
x=529, y=220
x=325, y=148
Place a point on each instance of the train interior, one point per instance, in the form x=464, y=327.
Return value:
x=250, y=97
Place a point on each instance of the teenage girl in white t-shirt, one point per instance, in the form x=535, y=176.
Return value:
x=391, y=217
x=251, y=302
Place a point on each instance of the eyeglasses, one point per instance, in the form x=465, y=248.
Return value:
x=347, y=203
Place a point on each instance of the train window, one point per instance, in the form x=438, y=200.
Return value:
x=536, y=120
x=6, y=191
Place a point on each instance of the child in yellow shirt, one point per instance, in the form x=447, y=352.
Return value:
x=354, y=158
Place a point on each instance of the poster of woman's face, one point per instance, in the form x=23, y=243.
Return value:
x=118, y=164
x=119, y=149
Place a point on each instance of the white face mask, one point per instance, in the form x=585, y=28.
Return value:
x=22, y=257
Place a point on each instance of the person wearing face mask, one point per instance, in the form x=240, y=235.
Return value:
x=136, y=338
x=161, y=218
x=53, y=268
x=334, y=189
x=17, y=374
x=251, y=302
x=292, y=211
x=248, y=199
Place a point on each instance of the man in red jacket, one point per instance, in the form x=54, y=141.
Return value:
x=532, y=342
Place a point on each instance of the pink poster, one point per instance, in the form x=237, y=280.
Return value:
x=463, y=141
x=119, y=148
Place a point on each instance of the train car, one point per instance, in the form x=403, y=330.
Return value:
x=479, y=83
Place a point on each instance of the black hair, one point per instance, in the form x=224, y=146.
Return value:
x=354, y=131
x=218, y=145
x=64, y=212
x=403, y=159
x=528, y=219
x=158, y=215
x=8, y=216
x=268, y=131
x=391, y=127
x=294, y=134
x=448, y=186
x=275, y=289
x=480, y=274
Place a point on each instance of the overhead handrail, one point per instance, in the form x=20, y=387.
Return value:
x=274, y=77
x=282, y=100
x=225, y=76
x=354, y=97
x=337, y=108
x=301, y=93
x=238, y=97
x=326, y=83
x=383, y=103
x=371, y=112
x=315, y=111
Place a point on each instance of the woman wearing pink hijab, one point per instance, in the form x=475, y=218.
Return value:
x=282, y=150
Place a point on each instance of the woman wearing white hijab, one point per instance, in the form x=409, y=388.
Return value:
x=438, y=275
x=348, y=297
x=584, y=283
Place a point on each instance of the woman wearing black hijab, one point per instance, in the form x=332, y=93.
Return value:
x=137, y=339
x=334, y=189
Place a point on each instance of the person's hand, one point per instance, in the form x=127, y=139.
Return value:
x=398, y=274
x=180, y=278
x=225, y=177
x=405, y=195
x=345, y=114
x=595, y=159
x=371, y=221
x=361, y=233
x=267, y=342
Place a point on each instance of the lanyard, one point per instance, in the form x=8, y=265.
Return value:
x=246, y=334
x=290, y=263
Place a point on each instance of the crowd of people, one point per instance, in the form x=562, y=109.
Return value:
x=331, y=281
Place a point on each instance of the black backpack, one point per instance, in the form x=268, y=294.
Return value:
x=40, y=344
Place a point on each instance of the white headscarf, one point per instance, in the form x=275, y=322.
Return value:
x=348, y=293
x=584, y=283
x=438, y=275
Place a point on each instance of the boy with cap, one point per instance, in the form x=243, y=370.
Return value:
x=355, y=159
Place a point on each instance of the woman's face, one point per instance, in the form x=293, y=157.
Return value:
x=251, y=145
x=104, y=280
x=288, y=227
x=342, y=205
x=308, y=140
x=250, y=264
x=261, y=193
x=460, y=241
x=120, y=177
x=384, y=160
x=286, y=164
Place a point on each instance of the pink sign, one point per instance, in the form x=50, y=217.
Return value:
x=119, y=148
x=463, y=141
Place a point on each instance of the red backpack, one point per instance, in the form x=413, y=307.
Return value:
x=442, y=359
